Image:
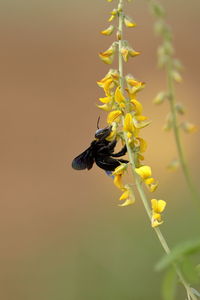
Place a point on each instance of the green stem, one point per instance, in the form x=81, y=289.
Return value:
x=172, y=101
x=132, y=162
x=120, y=29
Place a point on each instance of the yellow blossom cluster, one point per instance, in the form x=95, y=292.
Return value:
x=125, y=111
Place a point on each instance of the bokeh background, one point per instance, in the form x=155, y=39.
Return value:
x=62, y=234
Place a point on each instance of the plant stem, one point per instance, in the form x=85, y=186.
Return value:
x=172, y=101
x=132, y=162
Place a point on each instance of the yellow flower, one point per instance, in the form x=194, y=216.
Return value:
x=176, y=76
x=134, y=86
x=137, y=106
x=108, y=55
x=109, y=81
x=105, y=99
x=149, y=180
x=113, y=116
x=119, y=97
x=127, y=202
x=189, y=127
x=144, y=172
x=156, y=220
x=118, y=181
x=125, y=195
x=113, y=15
x=125, y=53
x=108, y=31
x=140, y=124
x=143, y=144
x=105, y=107
x=107, y=84
x=128, y=123
x=120, y=169
x=160, y=98
x=128, y=196
x=129, y=23
x=158, y=207
x=133, y=53
x=113, y=133
x=153, y=187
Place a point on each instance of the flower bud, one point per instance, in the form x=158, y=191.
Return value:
x=108, y=31
x=129, y=22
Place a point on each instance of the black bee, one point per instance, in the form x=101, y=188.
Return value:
x=100, y=152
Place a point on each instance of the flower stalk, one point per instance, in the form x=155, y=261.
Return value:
x=172, y=68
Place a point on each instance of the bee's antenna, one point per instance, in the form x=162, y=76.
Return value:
x=98, y=122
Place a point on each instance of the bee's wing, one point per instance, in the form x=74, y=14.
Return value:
x=83, y=161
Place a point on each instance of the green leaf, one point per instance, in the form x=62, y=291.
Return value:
x=190, y=272
x=184, y=248
x=169, y=285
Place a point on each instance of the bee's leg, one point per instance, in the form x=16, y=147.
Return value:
x=120, y=153
x=108, y=148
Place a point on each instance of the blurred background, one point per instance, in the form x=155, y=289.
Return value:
x=62, y=234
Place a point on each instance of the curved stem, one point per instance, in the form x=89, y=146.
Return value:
x=183, y=162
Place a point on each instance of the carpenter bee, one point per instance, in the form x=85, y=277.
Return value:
x=101, y=152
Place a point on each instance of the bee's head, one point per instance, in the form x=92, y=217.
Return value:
x=102, y=133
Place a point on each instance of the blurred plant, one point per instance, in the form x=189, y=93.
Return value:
x=125, y=115
x=172, y=67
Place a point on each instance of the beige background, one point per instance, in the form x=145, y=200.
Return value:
x=62, y=234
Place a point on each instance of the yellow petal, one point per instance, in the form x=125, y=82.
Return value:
x=160, y=98
x=125, y=195
x=143, y=145
x=105, y=107
x=113, y=115
x=137, y=106
x=108, y=55
x=105, y=99
x=133, y=53
x=189, y=127
x=107, y=59
x=113, y=15
x=108, y=31
x=128, y=123
x=119, y=97
x=156, y=216
x=176, y=76
x=113, y=133
x=140, y=124
x=158, y=206
x=140, y=157
x=127, y=202
x=129, y=23
x=118, y=182
x=129, y=135
x=149, y=180
x=153, y=187
x=125, y=53
x=156, y=223
x=144, y=172
x=111, y=18
x=120, y=169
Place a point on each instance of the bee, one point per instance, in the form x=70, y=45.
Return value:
x=101, y=151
